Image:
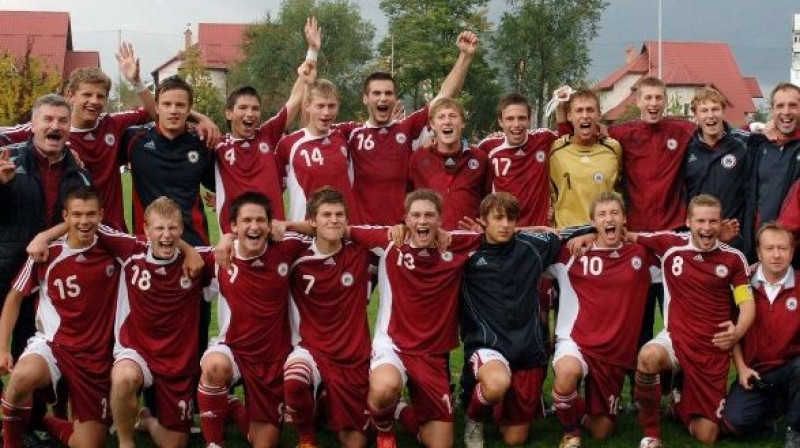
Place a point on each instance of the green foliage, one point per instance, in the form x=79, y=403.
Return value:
x=122, y=97
x=21, y=83
x=207, y=97
x=542, y=44
x=631, y=113
x=425, y=33
x=276, y=47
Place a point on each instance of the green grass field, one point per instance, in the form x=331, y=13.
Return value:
x=545, y=433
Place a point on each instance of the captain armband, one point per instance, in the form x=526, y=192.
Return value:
x=742, y=293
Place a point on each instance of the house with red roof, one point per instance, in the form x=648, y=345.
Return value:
x=49, y=37
x=685, y=67
x=220, y=46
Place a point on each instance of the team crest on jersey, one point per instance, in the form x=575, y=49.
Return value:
x=729, y=161
x=473, y=164
x=193, y=156
x=721, y=271
x=540, y=156
x=263, y=147
x=109, y=139
x=109, y=270
x=791, y=303
x=283, y=269
x=636, y=262
x=400, y=138
x=672, y=144
x=186, y=283
x=598, y=177
x=447, y=256
x=347, y=279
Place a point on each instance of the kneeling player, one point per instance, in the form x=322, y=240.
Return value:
x=254, y=338
x=77, y=287
x=603, y=295
x=503, y=341
x=330, y=288
x=702, y=278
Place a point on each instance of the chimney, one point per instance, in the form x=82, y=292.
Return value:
x=187, y=37
x=630, y=54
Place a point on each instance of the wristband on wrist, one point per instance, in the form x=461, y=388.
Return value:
x=311, y=55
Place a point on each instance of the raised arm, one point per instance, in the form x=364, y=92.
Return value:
x=129, y=68
x=467, y=43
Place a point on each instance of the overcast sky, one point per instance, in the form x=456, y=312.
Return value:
x=759, y=32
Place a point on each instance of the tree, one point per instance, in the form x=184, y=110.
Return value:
x=423, y=34
x=543, y=44
x=123, y=97
x=276, y=47
x=22, y=82
x=207, y=97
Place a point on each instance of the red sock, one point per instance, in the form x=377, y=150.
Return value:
x=59, y=428
x=568, y=412
x=15, y=423
x=648, y=395
x=479, y=408
x=383, y=419
x=239, y=413
x=299, y=400
x=404, y=413
x=213, y=404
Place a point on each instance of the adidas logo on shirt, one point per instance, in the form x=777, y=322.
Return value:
x=161, y=271
x=450, y=162
x=330, y=262
x=257, y=264
x=614, y=254
x=80, y=258
x=698, y=257
x=245, y=145
x=150, y=145
x=692, y=158
x=519, y=153
x=423, y=253
x=481, y=262
x=89, y=137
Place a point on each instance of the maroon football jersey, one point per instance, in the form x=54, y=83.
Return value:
x=249, y=165
x=159, y=309
x=603, y=318
x=380, y=156
x=310, y=163
x=77, y=298
x=522, y=171
x=697, y=286
x=420, y=288
x=461, y=179
x=98, y=149
x=329, y=301
x=253, y=303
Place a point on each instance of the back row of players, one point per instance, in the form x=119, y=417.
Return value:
x=165, y=159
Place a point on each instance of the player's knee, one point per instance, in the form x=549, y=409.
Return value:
x=704, y=431
x=216, y=371
x=602, y=428
x=517, y=437
x=651, y=359
x=175, y=441
x=567, y=375
x=495, y=386
x=126, y=378
x=384, y=389
x=439, y=442
x=22, y=383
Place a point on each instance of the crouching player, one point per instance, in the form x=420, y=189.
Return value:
x=503, y=341
x=602, y=301
x=330, y=287
x=77, y=292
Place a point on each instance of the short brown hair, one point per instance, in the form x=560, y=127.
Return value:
x=703, y=200
x=165, y=207
x=446, y=103
x=782, y=86
x=502, y=202
x=513, y=99
x=323, y=88
x=424, y=194
x=583, y=93
x=324, y=195
x=773, y=226
x=606, y=196
x=88, y=75
x=649, y=81
x=708, y=94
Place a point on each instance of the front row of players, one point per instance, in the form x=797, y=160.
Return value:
x=294, y=355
